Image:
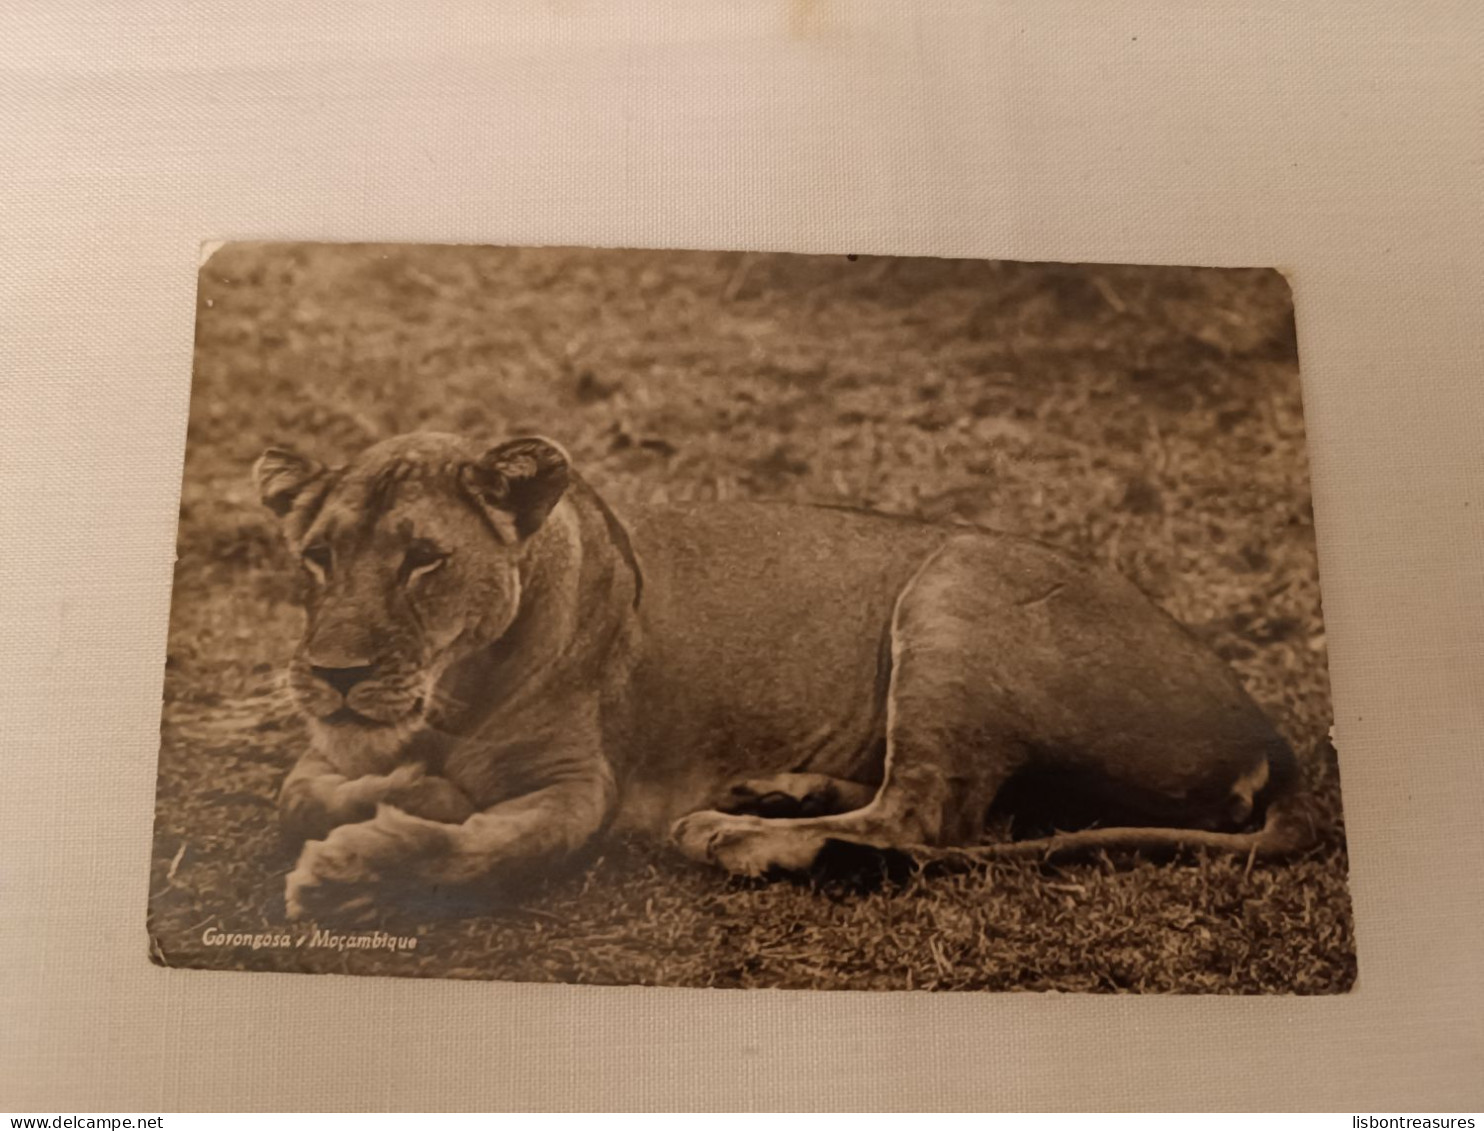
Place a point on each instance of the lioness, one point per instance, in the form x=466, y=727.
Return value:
x=496, y=668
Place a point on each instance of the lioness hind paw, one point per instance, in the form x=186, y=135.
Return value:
x=742, y=800
x=745, y=845
x=794, y=796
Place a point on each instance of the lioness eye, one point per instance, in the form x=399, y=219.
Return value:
x=317, y=560
x=422, y=557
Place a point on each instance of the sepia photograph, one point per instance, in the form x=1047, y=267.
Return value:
x=748, y=620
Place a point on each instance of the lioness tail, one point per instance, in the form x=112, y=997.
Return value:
x=1291, y=827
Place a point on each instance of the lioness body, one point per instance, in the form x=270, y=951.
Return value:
x=595, y=668
x=765, y=648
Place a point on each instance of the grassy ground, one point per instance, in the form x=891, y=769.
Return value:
x=1149, y=418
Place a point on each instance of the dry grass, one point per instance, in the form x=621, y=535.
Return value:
x=1149, y=418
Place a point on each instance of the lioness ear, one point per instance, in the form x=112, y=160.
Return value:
x=282, y=476
x=519, y=482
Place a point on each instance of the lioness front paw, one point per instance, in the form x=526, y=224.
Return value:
x=434, y=799
x=362, y=795
x=747, y=846
x=308, y=897
x=343, y=874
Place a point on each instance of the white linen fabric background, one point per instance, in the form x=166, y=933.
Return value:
x=1340, y=140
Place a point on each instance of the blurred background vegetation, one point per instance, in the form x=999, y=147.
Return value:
x=1146, y=417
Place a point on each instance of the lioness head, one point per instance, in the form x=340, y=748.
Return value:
x=411, y=554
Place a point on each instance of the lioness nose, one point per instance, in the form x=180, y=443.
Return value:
x=343, y=679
